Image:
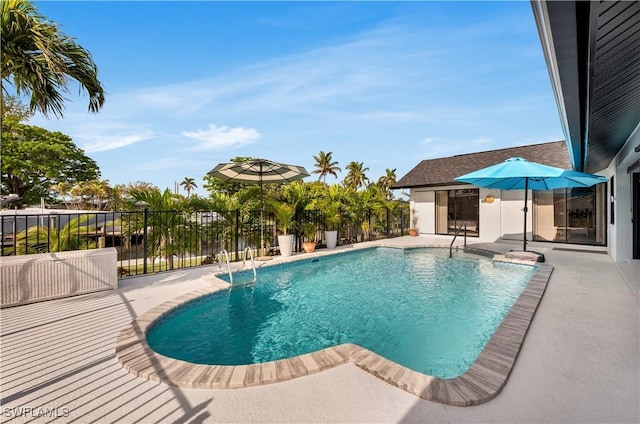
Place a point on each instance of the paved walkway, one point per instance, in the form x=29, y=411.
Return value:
x=579, y=362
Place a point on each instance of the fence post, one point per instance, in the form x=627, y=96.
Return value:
x=298, y=232
x=144, y=240
x=3, y=235
x=237, y=233
x=388, y=221
x=14, y=225
x=102, y=240
x=370, y=229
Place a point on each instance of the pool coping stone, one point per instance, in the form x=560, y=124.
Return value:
x=483, y=381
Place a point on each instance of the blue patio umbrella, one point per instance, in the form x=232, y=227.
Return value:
x=520, y=174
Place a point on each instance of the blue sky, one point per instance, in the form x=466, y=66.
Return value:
x=193, y=84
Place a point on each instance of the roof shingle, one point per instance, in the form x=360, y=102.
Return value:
x=442, y=171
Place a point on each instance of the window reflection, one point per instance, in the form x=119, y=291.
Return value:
x=575, y=215
x=453, y=207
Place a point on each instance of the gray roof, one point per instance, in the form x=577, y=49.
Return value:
x=442, y=171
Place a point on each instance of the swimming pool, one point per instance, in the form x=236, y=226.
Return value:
x=415, y=307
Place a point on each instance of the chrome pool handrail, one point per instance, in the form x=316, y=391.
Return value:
x=464, y=224
x=226, y=254
x=253, y=264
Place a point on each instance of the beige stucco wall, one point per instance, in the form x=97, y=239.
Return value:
x=490, y=215
x=500, y=218
x=423, y=201
x=513, y=215
x=503, y=218
x=544, y=214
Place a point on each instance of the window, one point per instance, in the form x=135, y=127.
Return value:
x=574, y=215
x=453, y=207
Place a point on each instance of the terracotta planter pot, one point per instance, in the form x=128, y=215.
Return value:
x=309, y=246
x=413, y=232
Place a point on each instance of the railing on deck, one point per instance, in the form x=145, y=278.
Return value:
x=153, y=241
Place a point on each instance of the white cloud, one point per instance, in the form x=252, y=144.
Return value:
x=388, y=87
x=100, y=143
x=223, y=137
x=343, y=77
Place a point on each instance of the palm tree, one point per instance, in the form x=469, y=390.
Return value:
x=325, y=166
x=387, y=181
x=40, y=239
x=285, y=212
x=356, y=177
x=79, y=194
x=298, y=193
x=98, y=191
x=170, y=222
x=38, y=60
x=188, y=184
x=62, y=189
x=330, y=201
x=359, y=206
x=116, y=197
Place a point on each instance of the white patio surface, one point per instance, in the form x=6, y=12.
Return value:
x=580, y=361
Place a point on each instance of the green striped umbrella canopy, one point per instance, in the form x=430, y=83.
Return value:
x=259, y=171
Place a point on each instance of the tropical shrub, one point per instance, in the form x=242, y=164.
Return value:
x=42, y=239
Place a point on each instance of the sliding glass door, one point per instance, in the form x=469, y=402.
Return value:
x=453, y=207
x=574, y=215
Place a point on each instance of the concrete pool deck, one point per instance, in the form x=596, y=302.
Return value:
x=579, y=361
x=480, y=383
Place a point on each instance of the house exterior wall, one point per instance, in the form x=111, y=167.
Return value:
x=423, y=202
x=490, y=215
x=545, y=217
x=512, y=222
x=501, y=218
x=620, y=233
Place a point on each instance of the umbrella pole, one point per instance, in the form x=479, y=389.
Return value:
x=261, y=231
x=261, y=216
x=526, y=194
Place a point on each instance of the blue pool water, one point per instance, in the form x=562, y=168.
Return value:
x=416, y=307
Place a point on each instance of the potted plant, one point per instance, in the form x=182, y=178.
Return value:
x=413, y=231
x=284, y=217
x=309, y=231
x=331, y=220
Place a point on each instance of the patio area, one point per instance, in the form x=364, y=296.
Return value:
x=580, y=360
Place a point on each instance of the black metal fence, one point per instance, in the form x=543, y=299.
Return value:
x=152, y=241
